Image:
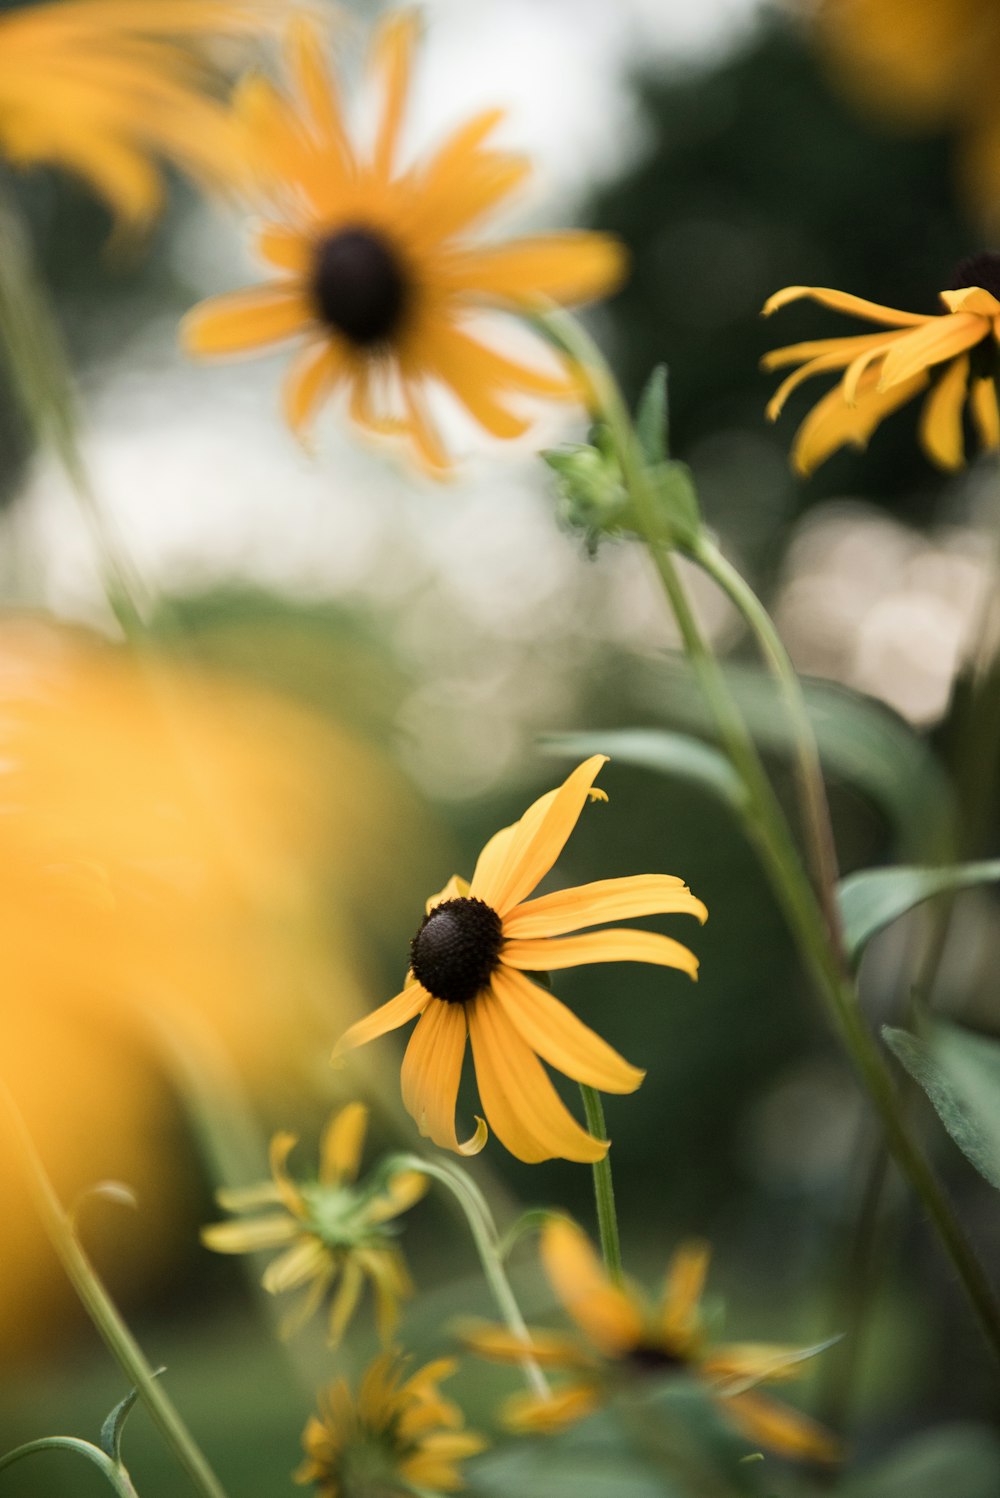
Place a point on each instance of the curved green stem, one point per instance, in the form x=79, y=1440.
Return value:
x=116, y=1475
x=102, y=1310
x=487, y=1240
x=604, y=1190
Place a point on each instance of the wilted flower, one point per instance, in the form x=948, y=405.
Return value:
x=626, y=1337
x=469, y=966
x=375, y=274
x=398, y=1434
x=335, y=1231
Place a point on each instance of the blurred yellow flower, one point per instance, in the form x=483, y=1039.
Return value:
x=954, y=353
x=332, y=1229
x=375, y=274
x=110, y=89
x=398, y=1434
x=927, y=64
x=626, y=1338
x=469, y=966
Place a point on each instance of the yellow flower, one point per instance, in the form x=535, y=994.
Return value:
x=331, y=1229
x=106, y=89
x=395, y=1435
x=374, y=272
x=954, y=353
x=469, y=966
x=626, y=1337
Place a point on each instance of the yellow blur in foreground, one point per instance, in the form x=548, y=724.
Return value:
x=161, y=900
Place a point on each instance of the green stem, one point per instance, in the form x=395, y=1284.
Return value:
x=487, y=1240
x=116, y=1475
x=767, y=827
x=604, y=1190
x=102, y=1310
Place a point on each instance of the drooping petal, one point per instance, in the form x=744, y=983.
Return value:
x=432, y=1070
x=985, y=412
x=423, y=433
x=398, y=1011
x=341, y=1145
x=522, y=1106
x=461, y=360
x=344, y=1302
x=832, y=423
x=741, y=1364
x=604, y=900
x=579, y=1279
x=972, y=299
x=251, y=1235
x=306, y=1259
x=502, y=1346
x=405, y=1188
x=780, y=1428
x=281, y=1147
x=310, y=380
x=822, y=364
x=565, y=1042
x=566, y=1406
x=392, y=57
x=538, y=839
x=285, y=247
x=682, y=1291
x=247, y=1198
x=527, y=273
x=815, y=348
x=941, y=418
x=618, y=944
x=842, y=301
x=239, y=322
x=316, y=87
x=939, y=339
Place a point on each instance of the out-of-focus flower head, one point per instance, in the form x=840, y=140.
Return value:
x=953, y=355
x=336, y=1232
x=626, y=1338
x=110, y=90
x=398, y=1434
x=926, y=64
x=374, y=271
x=469, y=966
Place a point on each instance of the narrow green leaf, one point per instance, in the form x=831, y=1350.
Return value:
x=114, y=1425
x=674, y=754
x=874, y=898
x=112, y=1470
x=960, y=1073
x=652, y=416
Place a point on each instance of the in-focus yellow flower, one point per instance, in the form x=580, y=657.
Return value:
x=109, y=89
x=952, y=355
x=334, y=1230
x=396, y=1435
x=469, y=967
x=626, y=1337
x=374, y=272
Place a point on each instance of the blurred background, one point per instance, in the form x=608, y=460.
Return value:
x=362, y=669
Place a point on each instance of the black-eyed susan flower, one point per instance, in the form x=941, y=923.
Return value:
x=952, y=355
x=470, y=962
x=110, y=89
x=397, y=1435
x=335, y=1232
x=373, y=270
x=626, y=1338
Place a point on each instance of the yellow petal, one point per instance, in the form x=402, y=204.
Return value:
x=531, y=1413
x=538, y=839
x=247, y=1198
x=527, y=273
x=985, y=412
x=422, y=432
x=972, y=299
x=240, y=322
x=432, y=1070
x=502, y=1346
x=746, y=1363
x=939, y=339
x=832, y=422
x=800, y=353
x=522, y=1107
x=604, y=900
x=398, y=1011
x=285, y=248
x=281, y=1147
x=342, y=1143
x=299, y=1264
x=392, y=55
x=345, y=1301
x=312, y=377
x=315, y=86
x=456, y=889
x=404, y=1189
x=251, y=1236
x=619, y=944
x=578, y=1277
x=842, y=301
x=941, y=418
x=779, y=1428
x=685, y=1281
x=555, y=1034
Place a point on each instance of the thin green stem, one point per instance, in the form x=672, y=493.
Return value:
x=604, y=1190
x=487, y=1240
x=102, y=1310
x=115, y=1474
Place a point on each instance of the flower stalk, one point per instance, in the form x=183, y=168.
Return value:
x=604, y=1190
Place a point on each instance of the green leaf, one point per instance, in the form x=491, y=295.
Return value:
x=960, y=1460
x=874, y=898
x=677, y=501
x=674, y=754
x=960, y=1073
x=114, y=1425
x=112, y=1470
x=652, y=417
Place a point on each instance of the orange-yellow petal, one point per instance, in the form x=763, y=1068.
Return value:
x=843, y=301
x=316, y=87
x=941, y=418
x=814, y=348
x=779, y=1428
x=241, y=322
x=285, y=247
x=313, y=376
x=555, y=1034
x=972, y=299
x=522, y=1107
x=432, y=1070
x=503, y=1346
x=832, y=422
x=985, y=412
x=530, y=1413
x=341, y=1145
x=603, y=1311
x=392, y=56
x=398, y=1011
x=939, y=339
x=527, y=273
x=682, y=1291
x=251, y=1235
x=604, y=900
x=618, y=944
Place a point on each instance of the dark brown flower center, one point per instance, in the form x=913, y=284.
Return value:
x=648, y=1357
x=982, y=269
x=359, y=286
x=456, y=949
